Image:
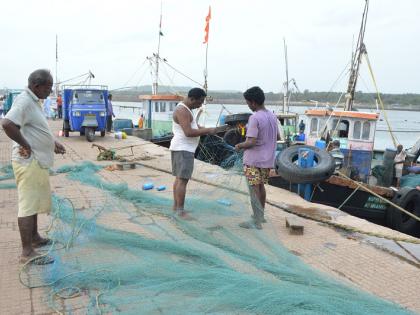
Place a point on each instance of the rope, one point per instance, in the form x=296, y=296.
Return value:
x=380, y=197
x=347, y=199
x=394, y=140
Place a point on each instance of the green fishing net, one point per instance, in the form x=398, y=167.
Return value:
x=130, y=254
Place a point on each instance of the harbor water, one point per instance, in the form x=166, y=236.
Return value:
x=404, y=124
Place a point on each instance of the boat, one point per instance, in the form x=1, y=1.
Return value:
x=354, y=190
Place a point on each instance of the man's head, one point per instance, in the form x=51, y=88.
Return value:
x=110, y=97
x=336, y=143
x=40, y=82
x=196, y=98
x=254, y=98
x=399, y=148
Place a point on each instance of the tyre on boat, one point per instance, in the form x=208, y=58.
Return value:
x=287, y=167
x=409, y=199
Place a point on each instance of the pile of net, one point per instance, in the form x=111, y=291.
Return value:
x=129, y=254
x=6, y=176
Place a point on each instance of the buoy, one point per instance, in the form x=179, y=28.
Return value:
x=224, y=202
x=148, y=186
x=161, y=187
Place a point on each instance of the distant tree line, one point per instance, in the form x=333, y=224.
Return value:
x=408, y=101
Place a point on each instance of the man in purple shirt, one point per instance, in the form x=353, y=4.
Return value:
x=259, y=153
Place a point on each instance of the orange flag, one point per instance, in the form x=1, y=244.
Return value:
x=206, y=29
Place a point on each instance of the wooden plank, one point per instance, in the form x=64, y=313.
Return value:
x=125, y=166
x=295, y=225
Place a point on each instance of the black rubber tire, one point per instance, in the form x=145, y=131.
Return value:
x=90, y=134
x=233, y=137
x=290, y=171
x=409, y=199
x=234, y=119
x=102, y=133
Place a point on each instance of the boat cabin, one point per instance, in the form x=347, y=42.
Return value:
x=158, y=110
x=355, y=130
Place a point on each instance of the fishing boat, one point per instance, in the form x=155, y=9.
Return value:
x=354, y=190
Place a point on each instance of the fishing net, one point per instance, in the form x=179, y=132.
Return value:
x=6, y=174
x=411, y=180
x=130, y=254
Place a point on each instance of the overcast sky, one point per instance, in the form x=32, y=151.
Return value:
x=113, y=39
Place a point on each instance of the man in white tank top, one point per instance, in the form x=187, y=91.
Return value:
x=183, y=145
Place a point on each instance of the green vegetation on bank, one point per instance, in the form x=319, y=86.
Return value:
x=408, y=101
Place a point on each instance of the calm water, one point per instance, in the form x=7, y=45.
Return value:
x=405, y=124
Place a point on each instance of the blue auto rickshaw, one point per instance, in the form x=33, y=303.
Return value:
x=84, y=110
x=9, y=99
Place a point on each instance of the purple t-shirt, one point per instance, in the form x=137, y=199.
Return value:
x=263, y=126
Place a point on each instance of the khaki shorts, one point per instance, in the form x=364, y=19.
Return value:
x=256, y=175
x=33, y=185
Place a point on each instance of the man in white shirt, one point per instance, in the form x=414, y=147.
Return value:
x=32, y=156
x=183, y=145
x=399, y=163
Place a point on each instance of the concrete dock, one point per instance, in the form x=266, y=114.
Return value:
x=372, y=258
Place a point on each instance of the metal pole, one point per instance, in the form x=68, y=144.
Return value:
x=286, y=93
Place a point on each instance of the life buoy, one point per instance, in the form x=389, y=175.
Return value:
x=407, y=198
x=287, y=167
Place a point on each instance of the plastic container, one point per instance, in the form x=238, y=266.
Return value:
x=118, y=135
x=148, y=186
x=224, y=202
x=320, y=144
x=161, y=188
x=119, y=124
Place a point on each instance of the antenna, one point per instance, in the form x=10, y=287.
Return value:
x=286, y=84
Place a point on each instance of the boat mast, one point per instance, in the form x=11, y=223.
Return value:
x=157, y=56
x=286, y=84
x=355, y=62
x=56, y=65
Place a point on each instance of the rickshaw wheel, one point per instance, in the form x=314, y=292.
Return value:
x=90, y=134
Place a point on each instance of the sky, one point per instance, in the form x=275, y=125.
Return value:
x=113, y=38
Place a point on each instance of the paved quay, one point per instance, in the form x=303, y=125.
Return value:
x=375, y=264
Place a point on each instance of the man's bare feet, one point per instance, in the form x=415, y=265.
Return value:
x=184, y=215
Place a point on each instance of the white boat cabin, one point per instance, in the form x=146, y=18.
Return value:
x=355, y=131
x=158, y=111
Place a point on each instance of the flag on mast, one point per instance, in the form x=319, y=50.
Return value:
x=206, y=29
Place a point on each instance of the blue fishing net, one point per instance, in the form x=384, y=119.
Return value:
x=131, y=255
x=410, y=180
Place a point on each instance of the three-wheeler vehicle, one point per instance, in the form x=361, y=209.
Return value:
x=85, y=110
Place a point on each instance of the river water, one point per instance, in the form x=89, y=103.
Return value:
x=405, y=124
